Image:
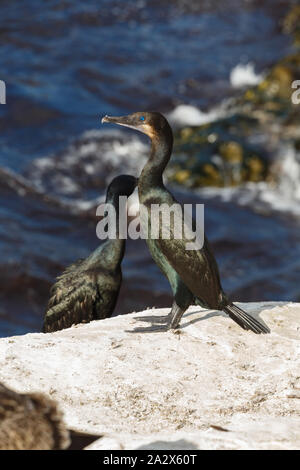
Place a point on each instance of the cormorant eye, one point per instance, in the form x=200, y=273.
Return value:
x=142, y=118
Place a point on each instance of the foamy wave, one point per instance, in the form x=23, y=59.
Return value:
x=244, y=75
x=282, y=197
x=82, y=172
x=289, y=171
x=186, y=115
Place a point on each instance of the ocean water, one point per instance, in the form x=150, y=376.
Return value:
x=65, y=65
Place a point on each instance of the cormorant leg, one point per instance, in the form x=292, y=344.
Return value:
x=175, y=315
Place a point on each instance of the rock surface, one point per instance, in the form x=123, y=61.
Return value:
x=210, y=386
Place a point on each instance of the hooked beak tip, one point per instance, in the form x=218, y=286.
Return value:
x=105, y=119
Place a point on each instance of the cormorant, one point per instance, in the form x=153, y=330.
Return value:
x=193, y=274
x=33, y=422
x=88, y=289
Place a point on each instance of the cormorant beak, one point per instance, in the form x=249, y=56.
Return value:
x=127, y=121
x=112, y=119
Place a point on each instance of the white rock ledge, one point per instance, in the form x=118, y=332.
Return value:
x=146, y=388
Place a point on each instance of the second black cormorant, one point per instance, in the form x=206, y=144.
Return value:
x=193, y=274
x=89, y=288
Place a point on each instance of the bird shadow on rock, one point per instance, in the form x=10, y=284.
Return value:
x=219, y=313
x=215, y=313
x=153, y=328
x=160, y=323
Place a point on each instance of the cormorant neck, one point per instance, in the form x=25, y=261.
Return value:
x=161, y=149
x=119, y=204
x=111, y=252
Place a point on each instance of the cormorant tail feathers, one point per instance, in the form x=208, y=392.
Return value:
x=245, y=320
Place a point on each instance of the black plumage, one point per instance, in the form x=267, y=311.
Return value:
x=193, y=274
x=88, y=289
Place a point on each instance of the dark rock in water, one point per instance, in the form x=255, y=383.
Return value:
x=218, y=154
x=292, y=24
x=242, y=146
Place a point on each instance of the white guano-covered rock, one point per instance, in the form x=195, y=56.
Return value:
x=212, y=385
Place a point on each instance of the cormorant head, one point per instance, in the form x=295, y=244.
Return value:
x=122, y=185
x=152, y=124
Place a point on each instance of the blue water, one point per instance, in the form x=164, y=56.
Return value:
x=68, y=63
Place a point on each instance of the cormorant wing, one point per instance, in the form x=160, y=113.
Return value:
x=73, y=298
x=197, y=268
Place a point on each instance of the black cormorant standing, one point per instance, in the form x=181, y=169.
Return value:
x=193, y=274
x=88, y=289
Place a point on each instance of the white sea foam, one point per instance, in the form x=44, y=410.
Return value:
x=289, y=182
x=282, y=196
x=244, y=75
x=82, y=172
x=187, y=115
